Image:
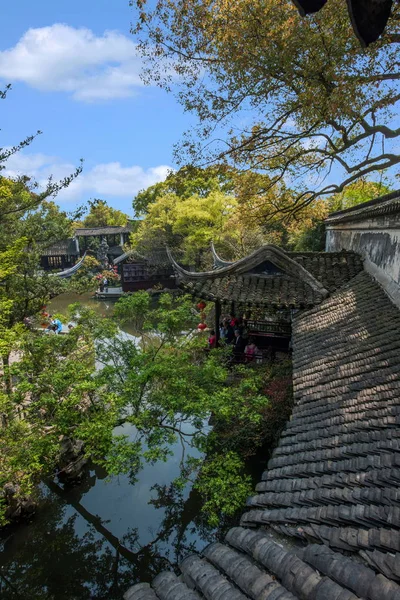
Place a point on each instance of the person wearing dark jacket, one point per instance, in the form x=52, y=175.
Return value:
x=239, y=346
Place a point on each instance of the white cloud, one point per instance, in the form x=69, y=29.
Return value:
x=103, y=180
x=76, y=61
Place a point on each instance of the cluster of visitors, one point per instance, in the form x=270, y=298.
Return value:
x=233, y=331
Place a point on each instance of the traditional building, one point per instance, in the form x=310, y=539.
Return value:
x=272, y=280
x=65, y=253
x=324, y=523
x=115, y=237
x=143, y=272
x=61, y=255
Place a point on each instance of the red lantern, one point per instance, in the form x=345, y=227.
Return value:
x=44, y=325
x=202, y=326
x=201, y=305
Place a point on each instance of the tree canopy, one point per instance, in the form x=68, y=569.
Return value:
x=100, y=215
x=195, y=206
x=295, y=98
x=188, y=181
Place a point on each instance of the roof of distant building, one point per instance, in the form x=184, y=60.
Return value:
x=61, y=248
x=154, y=257
x=385, y=205
x=107, y=230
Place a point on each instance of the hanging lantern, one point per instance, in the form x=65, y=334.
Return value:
x=201, y=326
x=44, y=325
x=201, y=305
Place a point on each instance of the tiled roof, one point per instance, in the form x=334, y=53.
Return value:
x=385, y=205
x=156, y=257
x=108, y=230
x=63, y=247
x=300, y=280
x=325, y=523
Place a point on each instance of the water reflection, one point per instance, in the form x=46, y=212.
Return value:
x=94, y=540
x=105, y=308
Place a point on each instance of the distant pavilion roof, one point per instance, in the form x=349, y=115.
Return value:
x=108, y=230
x=272, y=277
x=157, y=257
x=61, y=248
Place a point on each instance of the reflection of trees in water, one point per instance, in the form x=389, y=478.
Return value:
x=48, y=560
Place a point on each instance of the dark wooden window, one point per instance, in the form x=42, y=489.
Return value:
x=134, y=272
x=55, y=261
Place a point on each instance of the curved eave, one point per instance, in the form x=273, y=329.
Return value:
x=244, y=265
x=71, y=271
x=219, y=262
x=127, y=254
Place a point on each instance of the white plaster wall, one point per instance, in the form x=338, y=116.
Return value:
x=378, y=242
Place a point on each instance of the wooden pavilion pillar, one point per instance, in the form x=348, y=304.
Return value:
x=217, y=318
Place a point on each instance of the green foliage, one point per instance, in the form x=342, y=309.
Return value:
x=296, y=98
x=100, y=215
x=26, y=230
x=190, y=209
x=357, y=193
x=224, y=486
x=162, y=382
x=188, y=181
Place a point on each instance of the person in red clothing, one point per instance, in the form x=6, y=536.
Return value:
x=212, y=340
x=233, y=321
x=251, y=350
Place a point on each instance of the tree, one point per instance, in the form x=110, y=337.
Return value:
x=163, y=383
x=29, y=222
x=356, y=193
x=188, y=181
x=100, y=215
x=52, y=392
x=34, y=227
x=316, y=110
x=235, y=220
x=167, y=387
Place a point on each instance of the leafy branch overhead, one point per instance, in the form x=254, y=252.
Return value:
x=295, y=98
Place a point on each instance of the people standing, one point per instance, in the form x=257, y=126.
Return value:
x=251, y=351
x=233, y=321
x=212, y=340
x=239, y=346
x=105, y=283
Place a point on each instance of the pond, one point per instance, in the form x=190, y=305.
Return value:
x=96, y=539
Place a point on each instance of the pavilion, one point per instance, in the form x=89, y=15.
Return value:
x=270, y=279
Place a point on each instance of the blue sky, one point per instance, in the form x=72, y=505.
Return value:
x=74, y=72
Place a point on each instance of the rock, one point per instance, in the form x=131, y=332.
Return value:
x=71, y=461
x=18, y=506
